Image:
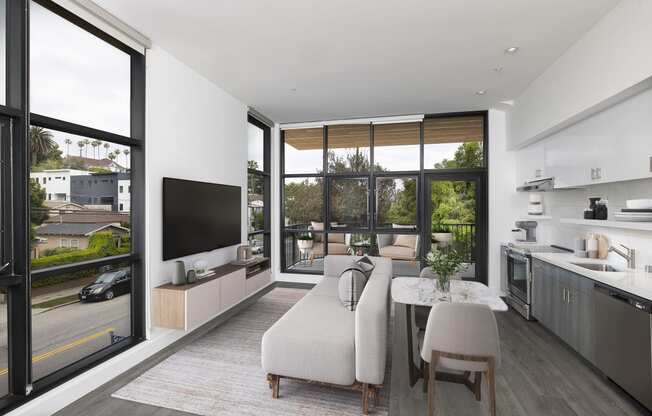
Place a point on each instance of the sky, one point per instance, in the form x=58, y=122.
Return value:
x=79, y=78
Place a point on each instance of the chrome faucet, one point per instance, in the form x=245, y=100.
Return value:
x=630, y=256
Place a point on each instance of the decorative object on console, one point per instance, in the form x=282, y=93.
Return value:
x=191, y=276
x=179, y=276
x=535, y=206
x=200, y=267
x=244, y=253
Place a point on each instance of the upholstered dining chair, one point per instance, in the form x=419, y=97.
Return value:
x=460, y=339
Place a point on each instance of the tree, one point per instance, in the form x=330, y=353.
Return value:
x=68, y=143
x=96, y=144
x=106, y=149
x=252, y=164
x=86, y=142
x=303, y=201
x=111, y=156
x=126, y=153
x=38, y=211
x=80, y=144
x=42, y=145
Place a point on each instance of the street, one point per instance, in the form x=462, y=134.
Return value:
x=68, y=333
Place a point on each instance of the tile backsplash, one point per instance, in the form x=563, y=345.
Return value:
x=571, y=204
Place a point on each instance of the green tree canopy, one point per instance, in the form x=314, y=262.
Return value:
x=42, y=145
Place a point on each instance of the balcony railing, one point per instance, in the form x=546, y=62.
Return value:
x=463, y=239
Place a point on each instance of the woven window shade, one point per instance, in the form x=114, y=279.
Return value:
x=396, y=134
x=453, y=130
x=305, y=139
x=348, y=136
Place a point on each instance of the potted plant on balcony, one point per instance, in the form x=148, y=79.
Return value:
x=305, y=241
x=442, y=234
x=444, y=264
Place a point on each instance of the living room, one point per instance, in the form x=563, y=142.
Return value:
x=288, y=208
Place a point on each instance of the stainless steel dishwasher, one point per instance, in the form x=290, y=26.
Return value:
x=622, y=341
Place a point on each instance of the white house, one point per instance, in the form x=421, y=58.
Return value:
x=124, y=195
x=56, y=182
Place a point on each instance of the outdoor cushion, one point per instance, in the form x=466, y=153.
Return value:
x=406, y=240
x=336, y=238
x=398, y=252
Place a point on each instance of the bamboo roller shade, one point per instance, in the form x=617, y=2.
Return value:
x=435, y=130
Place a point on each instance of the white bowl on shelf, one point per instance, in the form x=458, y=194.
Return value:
x=639, y=204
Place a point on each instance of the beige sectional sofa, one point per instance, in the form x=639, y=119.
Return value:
x=320, y=340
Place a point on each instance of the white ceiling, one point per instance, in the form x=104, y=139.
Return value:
x=301, y=60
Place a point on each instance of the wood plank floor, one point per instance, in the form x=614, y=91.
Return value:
x=539, y=376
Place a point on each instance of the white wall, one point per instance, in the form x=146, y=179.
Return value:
x=195, y=131
x=610, y=62
x=504, y=207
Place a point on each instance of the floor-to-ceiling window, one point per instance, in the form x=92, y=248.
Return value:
x=258, y=186
x=375, y=188
x=72, y=188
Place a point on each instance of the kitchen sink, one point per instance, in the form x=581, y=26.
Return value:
x=598, y=267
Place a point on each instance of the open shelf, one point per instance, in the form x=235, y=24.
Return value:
x=626, y=225
x=535, y=217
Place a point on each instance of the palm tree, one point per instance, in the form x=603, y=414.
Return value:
x=96, y=144
x=41, y=144
x=106, y=149
x=111, y=156
x=68, y=142
x=126, y=153
x=80, y=144
x=86, y=143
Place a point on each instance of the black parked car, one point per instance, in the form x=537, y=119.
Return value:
x=107, y=286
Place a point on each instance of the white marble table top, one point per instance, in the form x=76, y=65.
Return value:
x=422, y=292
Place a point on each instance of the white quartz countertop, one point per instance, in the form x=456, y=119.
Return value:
x=635, y=282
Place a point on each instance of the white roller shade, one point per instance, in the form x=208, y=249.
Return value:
x=105, y=21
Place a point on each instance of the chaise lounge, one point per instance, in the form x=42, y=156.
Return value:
x=320, y=340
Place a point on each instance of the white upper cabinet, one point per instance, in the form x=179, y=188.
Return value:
x=530, y=163
x=613, y=145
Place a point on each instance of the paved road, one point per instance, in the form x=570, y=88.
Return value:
x=63, y=335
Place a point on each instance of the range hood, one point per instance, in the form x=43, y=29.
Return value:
x=538, y=185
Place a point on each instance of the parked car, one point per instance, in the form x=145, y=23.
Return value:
x=107, y=286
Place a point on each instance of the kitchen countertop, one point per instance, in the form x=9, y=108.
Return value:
x=635, y=282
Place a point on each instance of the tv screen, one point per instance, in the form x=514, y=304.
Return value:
x=199, y=217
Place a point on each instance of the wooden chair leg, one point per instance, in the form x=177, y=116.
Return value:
x=477, y=386
x=425, y=371
x=276, y=380
x=365, y=399
x=432, y=380
x=491, y=380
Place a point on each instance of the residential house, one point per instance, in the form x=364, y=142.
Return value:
x=56, y=182
x=73, y=235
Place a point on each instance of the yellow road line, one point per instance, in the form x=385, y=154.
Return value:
x=64, y=348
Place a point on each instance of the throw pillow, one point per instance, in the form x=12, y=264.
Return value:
x=406, y=240
x=366, y=265
x=350, y=286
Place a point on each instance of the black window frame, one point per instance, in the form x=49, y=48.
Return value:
x=15, y=214
x=372, y=175
x=265, y=176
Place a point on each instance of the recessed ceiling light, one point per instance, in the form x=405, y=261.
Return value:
x=481, y=92
x=498, y=69
x=511, y=49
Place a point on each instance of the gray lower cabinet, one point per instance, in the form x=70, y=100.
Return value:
x=562, y=301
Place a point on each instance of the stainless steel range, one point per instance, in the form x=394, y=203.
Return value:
x=517, y=273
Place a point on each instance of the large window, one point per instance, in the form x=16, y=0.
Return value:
x=71, y=195
x=258, y=186
x=359, y=189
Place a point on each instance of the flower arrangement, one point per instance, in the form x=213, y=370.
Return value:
x=444, y=263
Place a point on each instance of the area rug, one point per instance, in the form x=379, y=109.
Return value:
x=220, y=374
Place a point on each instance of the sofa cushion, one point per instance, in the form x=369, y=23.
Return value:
x=351, y=284
x=398, y=252
x=313, y=341
x=327, y=287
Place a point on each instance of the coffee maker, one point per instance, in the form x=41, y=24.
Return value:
x=530, y=228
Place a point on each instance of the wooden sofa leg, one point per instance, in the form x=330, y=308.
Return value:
x=365, y=399
x=275, y=381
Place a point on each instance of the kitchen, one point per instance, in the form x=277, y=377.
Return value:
x=579, y=260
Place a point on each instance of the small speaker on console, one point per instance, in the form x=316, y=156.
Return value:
x=179, y=277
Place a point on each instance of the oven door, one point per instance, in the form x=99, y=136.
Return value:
x=518, y=276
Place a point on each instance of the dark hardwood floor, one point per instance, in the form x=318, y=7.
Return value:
x=538, y=376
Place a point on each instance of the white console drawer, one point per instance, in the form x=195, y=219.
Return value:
x=258, y=281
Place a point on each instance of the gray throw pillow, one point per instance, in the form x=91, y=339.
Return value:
x=366, y=265
x=350, y=286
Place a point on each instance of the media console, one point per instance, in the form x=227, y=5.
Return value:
x=192, y=305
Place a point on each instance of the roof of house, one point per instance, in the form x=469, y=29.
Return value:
x=63, y=205
x=89, y=217
x=80, y=229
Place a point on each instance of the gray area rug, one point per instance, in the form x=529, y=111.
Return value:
x=220, y=374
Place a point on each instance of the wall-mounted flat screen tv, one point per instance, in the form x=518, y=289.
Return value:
x=199, y=217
